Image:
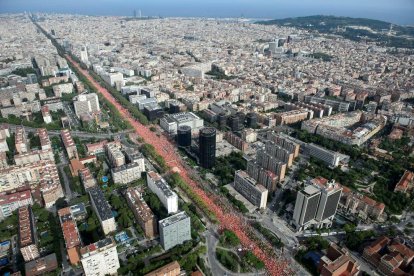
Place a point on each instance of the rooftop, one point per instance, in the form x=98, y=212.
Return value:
x=14, y=197
x=97, y=247
x=183, y=117
x=134, y=196
x=125, y=167
x=67, y=138
x=26, y=235
x=102, y=206
x=173, y=219
x=161, y=184
x=41, y=265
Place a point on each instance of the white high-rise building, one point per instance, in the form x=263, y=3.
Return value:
x=84, y=55
x=159, y=186
x=174, y=230
x=100, y=258
x=102, y=210
x=86, y=103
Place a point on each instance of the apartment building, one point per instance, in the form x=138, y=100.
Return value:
x=11, y=202
x=96, y=148
x=102, y=210
x=406, y=183
x=291, y=117
x=160, y=187
x=279, y=152
x=4, y=131
x=34, y=156
x=45, y=143
x=100, y=258
x=361, y=205
x=174, y=230
x=27, y=234
x=127, y=173
x=264, y=177
x=329, y=157
x=142, y=212
x=41, y=266
x=353, y=128
x=21, y=142
x=273, y=164
x=171, y=269
x=286, y=142
x=69, y=144
x=249, y=135
x=63, y=88
x=236, y=141
x=42, y=174
x=250, y=189
x=337, y=105
x=115, y=155
x=87, y=179
x=70, y=234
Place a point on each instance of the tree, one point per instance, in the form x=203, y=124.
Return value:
x=116, y=202
x=349, y=227
x=229, y=238
x=124, y=220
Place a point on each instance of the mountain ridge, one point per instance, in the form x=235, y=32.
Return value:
x=357, y=29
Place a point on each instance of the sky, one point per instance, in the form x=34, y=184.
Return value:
x=395, y=11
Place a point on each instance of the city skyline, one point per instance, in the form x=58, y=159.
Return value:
x=398, y=12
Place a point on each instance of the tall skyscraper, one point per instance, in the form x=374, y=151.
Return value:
x=316, y=204
x=207, y=144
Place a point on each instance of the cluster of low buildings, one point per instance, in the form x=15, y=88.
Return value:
x=29, y=245
x=360, y=205
x=353, y=128
x=389, y=257
x=34, y=170
x=406, y=183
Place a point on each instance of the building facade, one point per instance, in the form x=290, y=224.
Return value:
x=142, y=212
x=11, y=202
x=207, y=147
x=250, y=189
x=160, y=187
x=69, y=144
x=127, y=173
x=100, y=258
x=316, y=204
x=174, y=230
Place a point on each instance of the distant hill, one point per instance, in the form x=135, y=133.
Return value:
x=384, y=33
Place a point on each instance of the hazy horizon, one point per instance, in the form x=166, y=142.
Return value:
x=398, y=12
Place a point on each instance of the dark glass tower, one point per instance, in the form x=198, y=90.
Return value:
x=207, y=143
x=251, y=120
x=184, y=136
